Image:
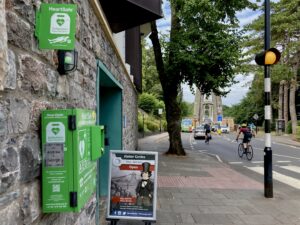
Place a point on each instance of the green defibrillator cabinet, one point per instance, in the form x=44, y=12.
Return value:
x=71, y=145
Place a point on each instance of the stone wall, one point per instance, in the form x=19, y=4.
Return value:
x=3, y=45
x=29, y=83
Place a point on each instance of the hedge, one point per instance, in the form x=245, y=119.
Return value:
x=298, y=133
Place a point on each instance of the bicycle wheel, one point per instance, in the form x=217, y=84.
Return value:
x=207, y=140
x=241, y=150
x=249, y=152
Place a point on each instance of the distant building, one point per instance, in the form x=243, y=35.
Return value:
x=207, y=108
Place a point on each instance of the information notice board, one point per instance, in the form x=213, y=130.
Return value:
x=132, y=187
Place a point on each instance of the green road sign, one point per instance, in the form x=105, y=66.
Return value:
x=56, y=26
x=71, y=144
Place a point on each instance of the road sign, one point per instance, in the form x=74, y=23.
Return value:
x=255, y=116
x=220, y=118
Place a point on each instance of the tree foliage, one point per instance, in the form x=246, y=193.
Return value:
x=151, y=82
x=187, y=109
x=253, y=103
x=285, y=34
x=205, y=44
x=148, y=103
x=203, y=49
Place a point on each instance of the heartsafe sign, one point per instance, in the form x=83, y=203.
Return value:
x=56, y=26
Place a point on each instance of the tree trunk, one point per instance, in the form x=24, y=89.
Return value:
x=170, y=92
x=285, y=103
x=293, y=88
x=280, y=101
x=173, y=116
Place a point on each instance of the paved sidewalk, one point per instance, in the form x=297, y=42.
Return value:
x=197, y=189
x=285, y=139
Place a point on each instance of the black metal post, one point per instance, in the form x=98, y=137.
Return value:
x=160, y=124
x=143, y=125
x=268, y=178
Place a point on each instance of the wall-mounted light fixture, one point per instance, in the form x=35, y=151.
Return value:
x=67, y=61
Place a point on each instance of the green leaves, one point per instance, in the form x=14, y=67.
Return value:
x=205, y=43
x=149, y=103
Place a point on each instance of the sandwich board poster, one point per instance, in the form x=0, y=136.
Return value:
x=132, y=188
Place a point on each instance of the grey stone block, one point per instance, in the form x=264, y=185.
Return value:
x=10, y=215
x=19, y=116
x=9, y=168
x=7, y=198
x=10, y=81
x=3, y=122
x=30, y=158
x=19, y=32
x=30, y=203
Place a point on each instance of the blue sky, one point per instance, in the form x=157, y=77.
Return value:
x=239, y=90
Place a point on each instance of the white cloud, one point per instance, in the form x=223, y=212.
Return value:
x=247, y=16
x=188, y=96
x=163, y=25
x=238, y=90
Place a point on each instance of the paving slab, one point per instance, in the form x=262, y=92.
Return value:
x=199, y=190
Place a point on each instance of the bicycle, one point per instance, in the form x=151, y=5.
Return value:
x=248, y=151
x=207, y=137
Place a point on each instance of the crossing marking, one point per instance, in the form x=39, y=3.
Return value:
x=282, y=144
x=205, y=151
x=291, y=157
x=235, y=162
x=295, y=183
x=202, y=150
x=258, y=162
x=219, y=158
x=292, y=168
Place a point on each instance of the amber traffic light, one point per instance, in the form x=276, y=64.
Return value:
x=268, y=57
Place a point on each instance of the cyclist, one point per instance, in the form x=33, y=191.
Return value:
x=247, y=135
x=207, y=132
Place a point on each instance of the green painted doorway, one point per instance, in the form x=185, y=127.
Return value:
x=109, y=112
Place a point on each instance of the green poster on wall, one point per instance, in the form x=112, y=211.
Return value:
x=56, y=26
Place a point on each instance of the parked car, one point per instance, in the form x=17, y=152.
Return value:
x=224, y=129
x=199, y=132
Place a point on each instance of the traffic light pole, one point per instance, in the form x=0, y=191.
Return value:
x=268, y=178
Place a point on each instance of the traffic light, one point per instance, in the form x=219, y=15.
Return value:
x=268, y=57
